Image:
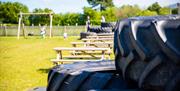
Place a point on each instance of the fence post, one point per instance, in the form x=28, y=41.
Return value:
x=65, y=33
x=64, y=29
x=85, y=28
x=23, y=28
x=5, y=30
x=178, y=5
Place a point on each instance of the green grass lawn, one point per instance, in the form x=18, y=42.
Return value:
x=25, y=63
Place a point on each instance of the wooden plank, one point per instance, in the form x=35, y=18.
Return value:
x=92, y=43
x=81, y=49
x=82, y=57
x=91, y=52
x=72, y=60
x=102, y=40
x=87, y=54
x=99, y=37
x=105, y=34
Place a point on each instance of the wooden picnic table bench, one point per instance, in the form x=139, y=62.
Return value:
x=60, y=57
x=105, y=34
x=102, y=40
x=94, y=44
x=99, y=37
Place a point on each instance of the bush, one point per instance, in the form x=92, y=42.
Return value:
x=147, y=13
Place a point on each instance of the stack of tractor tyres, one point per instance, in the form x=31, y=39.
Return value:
x=95, y=29
x=147, y=58
x=147, y=52
x=85, y=34
x=101, y=30
x=87, y=76
x=106, y=24
x=105, y=28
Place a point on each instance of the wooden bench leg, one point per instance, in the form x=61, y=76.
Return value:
x=55, y=63
x=74, y=45
x=59, y=56
x=103, y=55
x=109, y=54
x=109, y=45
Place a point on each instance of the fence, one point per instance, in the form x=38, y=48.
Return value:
x=35, y=30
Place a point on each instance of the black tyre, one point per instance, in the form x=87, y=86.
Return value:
x=147, y=51
x=85, y=34
x=86, y=76
x=105, y=28
x=100, y=30
x=106, y=24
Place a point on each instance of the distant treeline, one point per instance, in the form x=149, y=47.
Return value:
x=9, y=14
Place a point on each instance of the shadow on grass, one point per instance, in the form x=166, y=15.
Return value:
x=44, y=70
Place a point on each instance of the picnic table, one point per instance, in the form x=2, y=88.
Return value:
x=105, y=34
x=94, y=44
x=60, y=57
x=101, y=40
x=99, y=37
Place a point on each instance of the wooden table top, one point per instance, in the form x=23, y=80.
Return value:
x=91, y=42
x=99, y=39
x=105, y=34
x=81, y=49
x=100, y=36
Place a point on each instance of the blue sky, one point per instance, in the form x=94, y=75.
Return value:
x=64, y=6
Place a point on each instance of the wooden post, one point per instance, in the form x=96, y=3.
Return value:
x=23, y=28
x=19, y=25
x=50, y=30
x=20, y=19
x=85, y=28
x=64, y=30
x=58, y=56
x=109, y=54
x=103, y=55
x=178, y=6
x=5, y=30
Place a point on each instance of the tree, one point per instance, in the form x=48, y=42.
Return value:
x=174, y=11
x=40, y=19
x=103, y=3
x=155, y=7
x=94, y=15
x=165, y=11
x=147, y=13
x=110, y=14
x=70, y=18
x=57, y=18
x=9, y=12
x=127, y=11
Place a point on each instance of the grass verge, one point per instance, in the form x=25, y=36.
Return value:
x=25, y=63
